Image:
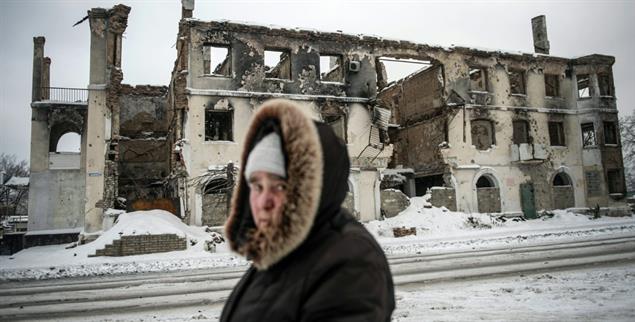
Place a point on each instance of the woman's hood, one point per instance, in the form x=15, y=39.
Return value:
x=306, y=194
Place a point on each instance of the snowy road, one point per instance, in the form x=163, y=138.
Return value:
x=200, y=293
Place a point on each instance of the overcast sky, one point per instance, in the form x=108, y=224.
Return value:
x=575, y=28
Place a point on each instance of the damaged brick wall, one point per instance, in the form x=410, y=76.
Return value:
x=417, y=104
x=143, y=149
x=143, y=244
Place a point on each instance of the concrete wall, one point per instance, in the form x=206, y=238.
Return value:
x=443, y=197
x=57, y=200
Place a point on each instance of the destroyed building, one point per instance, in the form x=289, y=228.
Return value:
x=487, y=131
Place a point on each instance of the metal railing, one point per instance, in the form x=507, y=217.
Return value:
x=64, y=94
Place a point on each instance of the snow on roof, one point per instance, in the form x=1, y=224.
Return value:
x=18, y=181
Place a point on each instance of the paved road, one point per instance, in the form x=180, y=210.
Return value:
x=153, y=292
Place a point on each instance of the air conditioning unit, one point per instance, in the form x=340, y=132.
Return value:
x=354, y=65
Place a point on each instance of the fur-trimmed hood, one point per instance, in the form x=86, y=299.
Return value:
x=314, y=193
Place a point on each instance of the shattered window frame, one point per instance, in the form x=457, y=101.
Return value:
x=478, y=79
x=556, y=134
x=552, y=85
x=484, y=127
x=334, y=74
x=610, y=133
x=222, y=67
x=274, y=72
x=584, y=85
x=588, y=135
x=224, y=120
x=520, y=129
x=614, y=181
x=517, y=84
x=605, y=82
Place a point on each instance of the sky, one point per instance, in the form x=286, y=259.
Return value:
x=575, y=28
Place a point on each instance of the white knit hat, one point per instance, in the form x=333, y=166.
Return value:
x=266, y=156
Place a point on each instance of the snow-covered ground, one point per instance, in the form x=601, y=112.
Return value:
x=592, y=294
x=595, y=294
x=438, y=230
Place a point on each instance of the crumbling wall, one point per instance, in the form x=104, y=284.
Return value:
x=143, y=151
x=417, y=105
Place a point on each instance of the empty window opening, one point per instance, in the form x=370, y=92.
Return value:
x=610, y=133
x=561, y=179
x=583, y=85
x=485, y=182
x=69, y=142
x=521, y=132
x=331, y=68
x=516, y=81
x=218, y=185
x=422, y=184
x=478, y=79
x=277, y=64
x=218, y=125
x=482, y=134
x=397, y=69
x=552, y=85
x=606, y=84
x=556, y=134
x=615, y=182
x=216, y=60
x=588, y=134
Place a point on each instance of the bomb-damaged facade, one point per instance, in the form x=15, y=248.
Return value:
x=482, y=131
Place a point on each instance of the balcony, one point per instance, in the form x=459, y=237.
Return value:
x=63, y=95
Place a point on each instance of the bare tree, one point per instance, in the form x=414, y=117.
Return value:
x=11, y=198
x=627, y=130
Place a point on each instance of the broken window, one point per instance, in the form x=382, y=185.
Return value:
x=516, y=81
x=605, y=84
x=331, y=68
x=277, y=64
x=588, y=134
x=552, y=85
x=218, y=125
x=478, y=79
x=482, y=134
x=521, y=132
x=561, y=179
x=615, y=182
x=610, y=133
x=397, y=69
x=583, y=85
x=216, y=60
x=556, y=133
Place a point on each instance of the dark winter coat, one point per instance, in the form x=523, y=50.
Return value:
x=319, y=264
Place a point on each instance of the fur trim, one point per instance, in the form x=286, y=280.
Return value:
x=301, y=144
